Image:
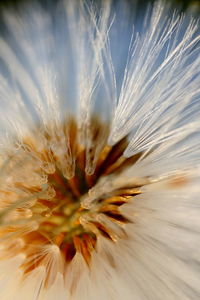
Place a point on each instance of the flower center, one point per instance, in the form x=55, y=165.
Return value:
x=51, y=196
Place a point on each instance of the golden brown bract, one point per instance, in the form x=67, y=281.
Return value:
x=44, y=203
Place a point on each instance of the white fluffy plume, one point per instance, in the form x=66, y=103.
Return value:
x=140, y=76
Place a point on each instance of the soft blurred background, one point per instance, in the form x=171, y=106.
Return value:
x=194, y=5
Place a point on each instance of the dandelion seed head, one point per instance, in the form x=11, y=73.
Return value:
x=99, y=152
x=67, y=213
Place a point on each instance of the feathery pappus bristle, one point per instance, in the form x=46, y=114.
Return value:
x=99, y=152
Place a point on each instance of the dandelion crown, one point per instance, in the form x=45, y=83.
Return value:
x=99, y=152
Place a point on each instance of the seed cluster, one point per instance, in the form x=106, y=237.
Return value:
x=43, y=204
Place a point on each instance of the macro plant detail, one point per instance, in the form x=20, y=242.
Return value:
x=58, y=212
x=99, y=152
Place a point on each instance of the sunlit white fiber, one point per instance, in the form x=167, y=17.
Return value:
x=136, y=80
